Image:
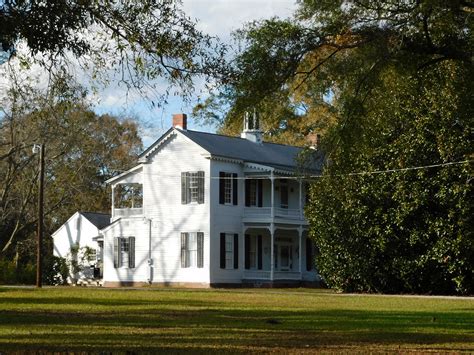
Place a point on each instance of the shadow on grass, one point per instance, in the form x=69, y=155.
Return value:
x=231, y=329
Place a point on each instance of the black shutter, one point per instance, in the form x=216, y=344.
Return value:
x=259, y=252
x=184, y=188
x=222, y=250
x=235, y=195
x=236, y=251
x=221, y=187
x=183, y=250
x=259, y=192
x=309, y=254
x=116, y=252
x=247, y=192
x=131, y=252
x=247, y=251
x=200, y=249
x=200, y=175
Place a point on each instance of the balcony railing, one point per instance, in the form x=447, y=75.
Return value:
x=265, y=212
x=127, y=212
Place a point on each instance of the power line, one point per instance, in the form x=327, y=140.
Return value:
x=309, y=176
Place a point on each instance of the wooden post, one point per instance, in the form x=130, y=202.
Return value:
x=39, y=251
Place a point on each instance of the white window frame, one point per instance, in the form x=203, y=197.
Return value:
x=229, y=251
x=191, y=251
x=228, y=189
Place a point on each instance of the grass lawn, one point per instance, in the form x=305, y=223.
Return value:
x=77, y=319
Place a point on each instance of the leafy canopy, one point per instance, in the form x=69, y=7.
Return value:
x=389, y=84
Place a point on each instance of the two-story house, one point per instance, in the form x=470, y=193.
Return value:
x=207, y=210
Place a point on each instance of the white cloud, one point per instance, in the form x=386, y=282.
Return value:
x=221, y=17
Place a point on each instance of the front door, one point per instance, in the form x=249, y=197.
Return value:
x=285, y=257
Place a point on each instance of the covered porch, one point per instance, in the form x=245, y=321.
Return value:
x=277, y=253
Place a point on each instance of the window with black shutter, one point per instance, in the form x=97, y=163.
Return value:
x=192, y=250
x=228, y=193
x=236, y=251
x=124, y=252
x=192, y=187
x=229, y=251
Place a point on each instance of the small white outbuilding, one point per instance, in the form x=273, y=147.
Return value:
x=78, y=240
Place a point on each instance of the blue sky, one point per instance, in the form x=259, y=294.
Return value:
x=215, y=17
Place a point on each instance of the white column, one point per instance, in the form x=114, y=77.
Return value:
x=242, y=254
x=272, y=250
x=113, y=201
x=300, y=240
x=272, y=179
x=301, y=199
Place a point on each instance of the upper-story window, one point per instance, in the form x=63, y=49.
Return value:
x=254, y=192
x=192, y=187
x=228, y=194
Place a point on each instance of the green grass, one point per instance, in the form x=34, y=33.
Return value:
x=77, y=319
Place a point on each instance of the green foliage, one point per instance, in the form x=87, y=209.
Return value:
x=141, y=40
x=55, y=270
x=82, y=150
x=407, y=231
x=389, y=85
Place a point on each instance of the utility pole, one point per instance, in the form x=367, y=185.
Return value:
x=39, y=254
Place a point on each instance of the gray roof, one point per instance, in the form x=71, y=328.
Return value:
x=271, y=154
x=100, y=220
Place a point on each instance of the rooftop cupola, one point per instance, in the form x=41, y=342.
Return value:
x=252, y=130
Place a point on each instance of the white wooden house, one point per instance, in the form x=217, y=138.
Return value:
x=208, y=210
x=81, y=231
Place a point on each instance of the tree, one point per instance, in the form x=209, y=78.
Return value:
x=82, y=151
x=143, y=40
x=391, y=83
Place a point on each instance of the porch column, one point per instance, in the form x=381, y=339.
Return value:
x=113, y=201
x=301, y=199
x=272, y=250
x=300, y=241
x=272, y=180
x=242, y=254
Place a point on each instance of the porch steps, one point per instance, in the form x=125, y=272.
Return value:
x=90, y=282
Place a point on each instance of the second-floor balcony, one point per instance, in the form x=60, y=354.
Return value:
x=127, y=212
x=266, y=212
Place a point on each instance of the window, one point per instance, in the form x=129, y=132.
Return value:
x=254, y=192
x=228, y=194
x=229, y=251
x=192, y=187
x=192, y=250
x=124, y=252
x=253, y=252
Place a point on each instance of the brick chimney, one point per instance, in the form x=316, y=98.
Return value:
x=180, y=120
x=314, y=140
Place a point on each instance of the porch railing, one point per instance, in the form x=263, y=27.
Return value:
x=287, y=212
x=127, y=212
x=267, y=211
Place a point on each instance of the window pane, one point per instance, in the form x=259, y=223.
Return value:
x=228, y=188
x=229, y=254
